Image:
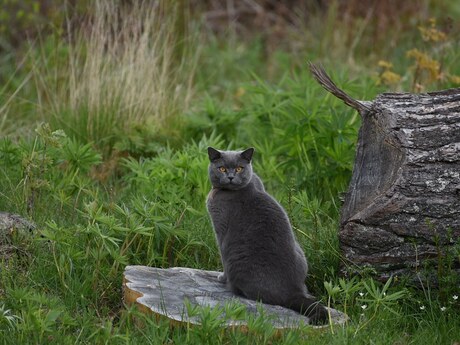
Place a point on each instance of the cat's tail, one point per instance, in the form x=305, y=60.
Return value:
x=308, y=306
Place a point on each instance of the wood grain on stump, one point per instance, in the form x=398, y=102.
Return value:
x=402, y=209
x=164, y=292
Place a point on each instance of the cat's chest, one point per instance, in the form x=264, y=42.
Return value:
x=222, y=203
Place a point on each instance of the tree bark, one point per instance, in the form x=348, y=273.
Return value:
x=401, y=214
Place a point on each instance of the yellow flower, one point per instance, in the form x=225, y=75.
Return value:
x=385, y=64
x=240, y=92
x=424, y=62
x=390, y=78
x=387, y=76
x=432, y=33
x=455, y=79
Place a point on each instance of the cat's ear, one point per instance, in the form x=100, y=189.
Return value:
x=213, y=154
x=247, y=154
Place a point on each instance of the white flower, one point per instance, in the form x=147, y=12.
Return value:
x=455, y=297
x=443, y=309
x=361, y=294
x=363, y=306
x=422, y=307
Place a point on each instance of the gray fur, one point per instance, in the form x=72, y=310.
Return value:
x=260, y=255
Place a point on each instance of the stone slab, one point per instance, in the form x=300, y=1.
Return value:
x=164, y=291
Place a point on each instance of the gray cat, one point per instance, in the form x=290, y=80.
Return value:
x=261, y=257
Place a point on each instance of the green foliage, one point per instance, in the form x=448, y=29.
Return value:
x=118, y=174
x=18, y=17
x=428, y=68
x=8, y=320
x=293, y=133
x=74, y=263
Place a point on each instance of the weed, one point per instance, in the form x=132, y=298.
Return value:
x=428, y=68
x=8, y=320
x=121, y=71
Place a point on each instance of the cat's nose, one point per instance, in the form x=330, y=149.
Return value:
x=230, y=178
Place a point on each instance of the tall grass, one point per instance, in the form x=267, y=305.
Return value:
x=127, y=66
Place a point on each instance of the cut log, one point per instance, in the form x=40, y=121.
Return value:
x=402, y=209
x=164, y=292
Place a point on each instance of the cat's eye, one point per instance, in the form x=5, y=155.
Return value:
x=222, y=169
x=239, y=169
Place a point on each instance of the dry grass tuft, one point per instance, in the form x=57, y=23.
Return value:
x=128, y=66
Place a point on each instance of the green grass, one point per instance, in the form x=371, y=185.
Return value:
x=112, y=176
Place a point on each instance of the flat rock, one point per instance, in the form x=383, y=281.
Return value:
x=164, y=291
x=10, y=223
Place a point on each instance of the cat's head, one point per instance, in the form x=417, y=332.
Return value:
x=230, y=169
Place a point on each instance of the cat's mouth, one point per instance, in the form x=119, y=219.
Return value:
x=232, y=185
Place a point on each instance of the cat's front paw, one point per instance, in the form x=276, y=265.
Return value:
x=222, y=277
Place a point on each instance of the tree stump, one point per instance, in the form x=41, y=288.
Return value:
x=164, y=292
x=402, y=209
